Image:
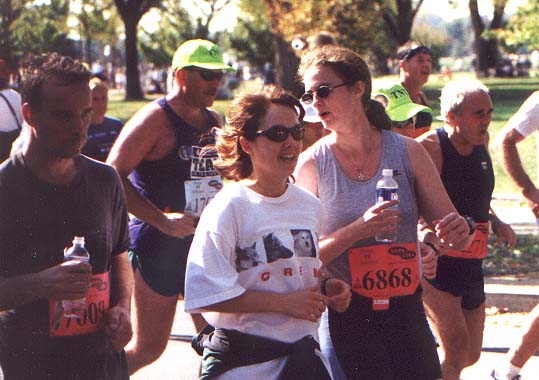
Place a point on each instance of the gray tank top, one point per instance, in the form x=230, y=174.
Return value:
x=344, y=200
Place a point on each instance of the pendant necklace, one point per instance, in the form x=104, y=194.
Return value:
x=362, y=175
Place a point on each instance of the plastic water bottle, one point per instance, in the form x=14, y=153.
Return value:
x=78, y=252
x=386, y=190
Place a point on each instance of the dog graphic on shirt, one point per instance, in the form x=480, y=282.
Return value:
x=247, y=258
x=275, y=249
x=303, y=243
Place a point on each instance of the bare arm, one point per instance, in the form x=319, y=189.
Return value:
x=118, y=320
x=512, y=164
x=142, y=139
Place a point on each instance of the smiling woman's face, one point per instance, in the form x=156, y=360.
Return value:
x=272, y=159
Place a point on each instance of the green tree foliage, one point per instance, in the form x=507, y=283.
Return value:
x=251, y=39
x=10, y=11
x=43, y=28
x=175, y=26
x=98, y=21
x=521, y=29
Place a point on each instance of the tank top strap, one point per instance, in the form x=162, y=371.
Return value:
x=180, y=125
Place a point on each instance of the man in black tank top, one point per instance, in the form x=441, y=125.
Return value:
x=169, y=183
x=455, y=299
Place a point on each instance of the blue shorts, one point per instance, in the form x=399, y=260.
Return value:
x=385, y=345
x=161, y=260
x=462, y=278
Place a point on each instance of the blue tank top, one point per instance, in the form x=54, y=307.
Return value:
x=468, y=180
x=344, y=200
x=162, y=181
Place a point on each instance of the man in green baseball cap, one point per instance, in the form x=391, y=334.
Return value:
x=199, y=53
x=400, y=108
x=167, y=182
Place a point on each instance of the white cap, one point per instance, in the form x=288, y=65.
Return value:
x=310, y=115
x=387, y=172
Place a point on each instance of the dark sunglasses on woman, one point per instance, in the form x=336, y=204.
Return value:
x=207, y=75
x=279, y=133
x=322, y=92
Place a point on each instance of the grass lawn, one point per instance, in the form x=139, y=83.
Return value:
x=507, y=96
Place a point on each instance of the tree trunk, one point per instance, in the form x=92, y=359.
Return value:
x=486, y=49
x=133, y=90
x=286, y=66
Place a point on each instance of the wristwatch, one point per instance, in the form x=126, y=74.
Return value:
x=471, y=224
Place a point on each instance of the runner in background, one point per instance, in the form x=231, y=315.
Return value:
x=167, y=185
x=455, y=299
x=521, y=125
x=415, y=66
x=103, y=130
x=384, y=333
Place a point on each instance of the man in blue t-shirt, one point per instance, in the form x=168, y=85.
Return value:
x=103, y=130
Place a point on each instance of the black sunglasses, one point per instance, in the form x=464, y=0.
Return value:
x=207, y=75
x=279, y=133
x=322, y=92
x=403, y=124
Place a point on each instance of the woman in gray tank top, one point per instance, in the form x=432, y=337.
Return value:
x=384, y=333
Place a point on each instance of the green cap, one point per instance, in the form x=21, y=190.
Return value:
x=200, y=53
x=399, y=106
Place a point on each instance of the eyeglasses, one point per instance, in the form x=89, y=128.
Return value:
x=279, y=133
x=208, y=75
x=404, y=124
x=322, y=92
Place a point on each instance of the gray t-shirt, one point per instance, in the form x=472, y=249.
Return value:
x=344, y=200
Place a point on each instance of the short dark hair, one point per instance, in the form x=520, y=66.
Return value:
x=39, y=69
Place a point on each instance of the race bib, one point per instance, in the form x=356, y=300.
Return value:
x=383, y=271
x=479, y=248
x=89, y=320
x=198, y=193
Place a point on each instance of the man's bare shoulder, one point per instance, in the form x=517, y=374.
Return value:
x=150, y=116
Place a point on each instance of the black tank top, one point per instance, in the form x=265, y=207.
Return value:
x=468, y=180
x=162, y=181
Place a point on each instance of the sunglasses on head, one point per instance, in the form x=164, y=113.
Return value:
x=322, y=92
x=279, y=133
x=208, y=75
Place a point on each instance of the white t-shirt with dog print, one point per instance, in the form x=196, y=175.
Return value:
x=248, y=241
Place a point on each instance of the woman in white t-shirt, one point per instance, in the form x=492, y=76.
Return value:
x=254, y=268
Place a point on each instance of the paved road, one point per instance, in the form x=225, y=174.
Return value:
x=180, y=362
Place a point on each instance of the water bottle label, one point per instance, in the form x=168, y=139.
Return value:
x=87, y=319
x=386, y=194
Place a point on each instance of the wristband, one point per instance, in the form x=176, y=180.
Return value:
x=323, y=284
x=433, y=247
x=471, y=224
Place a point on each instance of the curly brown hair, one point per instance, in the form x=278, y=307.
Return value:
x=39, y=69
x=243, y=119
